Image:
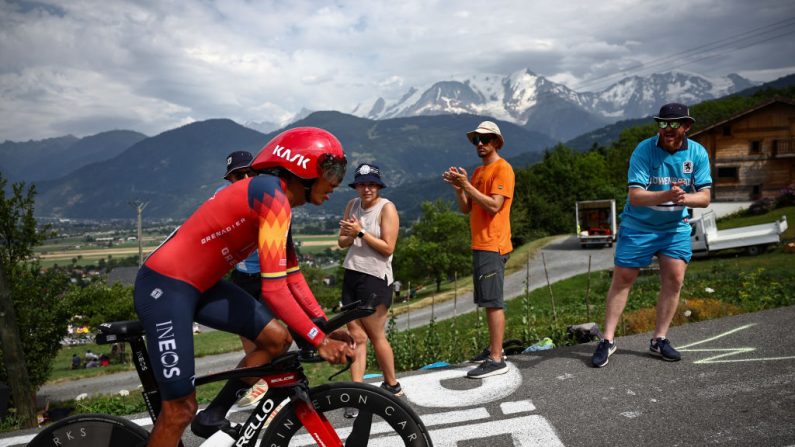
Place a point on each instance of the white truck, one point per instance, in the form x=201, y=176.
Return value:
x=596, y=222
x=707, y=239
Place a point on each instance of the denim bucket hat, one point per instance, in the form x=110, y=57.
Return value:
x=367, y=173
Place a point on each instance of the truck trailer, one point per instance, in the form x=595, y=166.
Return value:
x=707, y=239
x=596, y=222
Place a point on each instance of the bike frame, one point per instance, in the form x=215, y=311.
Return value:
x=285, y=377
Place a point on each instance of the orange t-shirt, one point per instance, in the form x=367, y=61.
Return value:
x=492, y=232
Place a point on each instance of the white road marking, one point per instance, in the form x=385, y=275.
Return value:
x=521, y=406
x=728, y=352
x=426, y=390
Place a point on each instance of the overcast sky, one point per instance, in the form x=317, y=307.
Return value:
x=82, y=67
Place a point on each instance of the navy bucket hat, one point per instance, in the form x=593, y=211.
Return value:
x=237, y=160
x=367, y=173
x=674, y=111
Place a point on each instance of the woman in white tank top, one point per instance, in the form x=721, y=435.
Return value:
x=369, y=230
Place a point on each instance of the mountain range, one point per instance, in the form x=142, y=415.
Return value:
x=33, y=161
x=177, y=170
x=536, y=103
x=98, y=176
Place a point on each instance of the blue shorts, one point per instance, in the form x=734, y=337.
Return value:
x=167, y=308
x=635, y=248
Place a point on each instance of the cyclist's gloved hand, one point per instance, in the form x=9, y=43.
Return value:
x=335, y=351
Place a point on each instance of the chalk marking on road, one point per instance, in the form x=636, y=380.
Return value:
x=630, y=414
x=728, y=352
x=741, y=328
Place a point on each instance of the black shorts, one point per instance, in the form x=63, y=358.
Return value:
x=367, y=288
x=167, y=308
x=488, y=276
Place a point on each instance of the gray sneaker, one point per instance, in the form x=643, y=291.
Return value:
x=486, y=353
x=488, y=368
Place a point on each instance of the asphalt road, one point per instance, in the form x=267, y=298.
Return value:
x=734, y=387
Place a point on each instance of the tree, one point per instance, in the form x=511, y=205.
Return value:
x=98, y=303
x=545, y=192
x=18, y=234
x=437, y=246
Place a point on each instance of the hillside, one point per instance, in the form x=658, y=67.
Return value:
x=178, y=169
x=55, y=157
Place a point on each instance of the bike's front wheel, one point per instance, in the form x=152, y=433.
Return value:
x=91, y=430
x=383, y=420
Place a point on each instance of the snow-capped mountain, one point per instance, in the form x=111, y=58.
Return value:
x=541, y=105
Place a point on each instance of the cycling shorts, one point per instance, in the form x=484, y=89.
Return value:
x=635, y=248
x=167, y=308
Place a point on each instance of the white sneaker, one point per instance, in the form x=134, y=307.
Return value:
x=254, y=394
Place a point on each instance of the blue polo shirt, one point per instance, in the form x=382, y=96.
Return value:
x=654, y=169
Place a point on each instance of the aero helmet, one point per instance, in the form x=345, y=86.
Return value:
x=306, y=152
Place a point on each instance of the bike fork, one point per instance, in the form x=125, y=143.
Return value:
x=315, y=423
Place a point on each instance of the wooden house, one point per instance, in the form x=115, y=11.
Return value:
x=752, y=154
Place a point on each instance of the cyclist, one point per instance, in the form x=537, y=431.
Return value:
x=181, y=281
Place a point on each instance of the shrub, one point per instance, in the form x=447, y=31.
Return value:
x=786, y=196
x=689, y=311
x=761, y=206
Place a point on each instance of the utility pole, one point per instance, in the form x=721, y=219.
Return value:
x=139, y=208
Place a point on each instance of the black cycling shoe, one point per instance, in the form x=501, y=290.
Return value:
x=205, y=425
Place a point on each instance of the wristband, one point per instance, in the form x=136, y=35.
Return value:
x=361, y=233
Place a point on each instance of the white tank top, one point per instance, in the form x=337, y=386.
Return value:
x=361, y=257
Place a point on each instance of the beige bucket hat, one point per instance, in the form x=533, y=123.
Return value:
x=487, y=127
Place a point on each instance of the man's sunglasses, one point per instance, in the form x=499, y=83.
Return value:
x=671, y=124
x=484, y=138
x=241, y=174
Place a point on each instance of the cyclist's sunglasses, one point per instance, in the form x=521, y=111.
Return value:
x=333, y=168
x=484, y=138
x=671, y=124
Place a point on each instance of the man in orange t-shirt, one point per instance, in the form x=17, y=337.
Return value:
x=487, y=199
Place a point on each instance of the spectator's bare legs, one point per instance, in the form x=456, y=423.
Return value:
x=374, y=327
x=359, y=363
x=672, y=275
x=623, y=278
x=495, y=318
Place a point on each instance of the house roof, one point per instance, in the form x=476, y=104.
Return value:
x=744, y=113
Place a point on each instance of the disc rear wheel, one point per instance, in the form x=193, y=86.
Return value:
x=91, y=430
x=383, y=419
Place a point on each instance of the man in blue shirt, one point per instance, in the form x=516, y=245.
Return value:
x=668, y=173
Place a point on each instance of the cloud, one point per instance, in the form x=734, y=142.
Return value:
x=79, y=67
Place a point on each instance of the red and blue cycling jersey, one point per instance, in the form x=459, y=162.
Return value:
x=251, y=214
